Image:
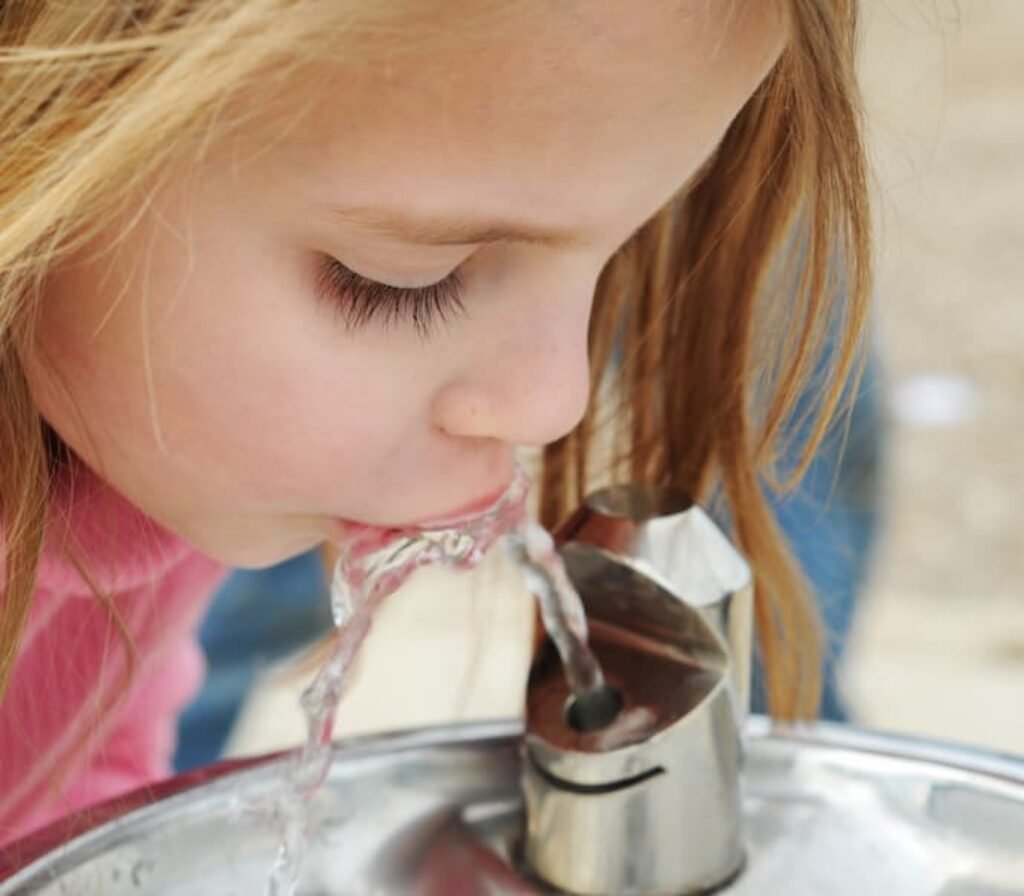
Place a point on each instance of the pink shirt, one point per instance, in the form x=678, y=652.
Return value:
x=59, y=750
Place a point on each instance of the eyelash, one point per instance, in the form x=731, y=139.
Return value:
x=362, y=301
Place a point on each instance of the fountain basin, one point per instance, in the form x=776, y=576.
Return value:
x=828, y=811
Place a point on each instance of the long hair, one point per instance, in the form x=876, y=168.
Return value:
x=717, y=310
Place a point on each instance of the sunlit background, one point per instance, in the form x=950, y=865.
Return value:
x=939, y=639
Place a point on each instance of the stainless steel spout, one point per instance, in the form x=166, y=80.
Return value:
x=649, y=804
x=667, y=537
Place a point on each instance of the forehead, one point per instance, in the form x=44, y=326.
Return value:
x=551, y=108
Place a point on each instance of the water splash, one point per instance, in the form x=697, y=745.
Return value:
x=372, y=566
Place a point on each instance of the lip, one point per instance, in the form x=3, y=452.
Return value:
x=371, y=533
x=463, y=513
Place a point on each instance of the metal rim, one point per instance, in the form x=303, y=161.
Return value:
x=69, y=832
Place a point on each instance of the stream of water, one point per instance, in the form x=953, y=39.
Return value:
x=374, y=566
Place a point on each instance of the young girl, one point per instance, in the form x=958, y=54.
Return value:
x=272, y=269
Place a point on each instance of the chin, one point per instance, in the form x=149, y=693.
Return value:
x=252, y=555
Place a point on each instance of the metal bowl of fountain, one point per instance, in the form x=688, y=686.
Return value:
x=828, y=811
x=669, y=792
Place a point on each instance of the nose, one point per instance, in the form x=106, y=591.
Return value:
x=526, y=379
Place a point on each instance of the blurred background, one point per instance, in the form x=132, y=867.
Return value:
x=937, y=640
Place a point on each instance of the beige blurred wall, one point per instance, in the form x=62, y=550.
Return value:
x=939, y=647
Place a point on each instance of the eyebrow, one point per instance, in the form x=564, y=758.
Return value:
x=448, y=230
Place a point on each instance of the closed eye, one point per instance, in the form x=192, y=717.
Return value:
x=362, y=301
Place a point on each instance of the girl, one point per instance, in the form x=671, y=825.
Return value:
x=272, y=269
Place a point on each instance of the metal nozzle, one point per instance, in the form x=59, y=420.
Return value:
x=671, y=540
x=637, y=792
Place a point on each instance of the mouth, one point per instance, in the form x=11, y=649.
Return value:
x=463, y=513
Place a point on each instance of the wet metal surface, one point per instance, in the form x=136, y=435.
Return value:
x=828, y=812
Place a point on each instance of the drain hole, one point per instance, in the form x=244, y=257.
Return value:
x=594, y=710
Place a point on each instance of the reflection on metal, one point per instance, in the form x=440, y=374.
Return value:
x=827, y=812
x=649, y=804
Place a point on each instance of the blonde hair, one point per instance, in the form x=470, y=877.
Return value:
x=718, y=323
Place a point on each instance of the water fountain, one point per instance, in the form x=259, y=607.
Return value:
x=670, y=792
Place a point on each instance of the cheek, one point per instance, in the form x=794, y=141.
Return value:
x=84, y=372
x=229, y=385
x=272, y=404
x=263, y=387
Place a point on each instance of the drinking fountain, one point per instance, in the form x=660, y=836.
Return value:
x=672, y=792
x=650, y=803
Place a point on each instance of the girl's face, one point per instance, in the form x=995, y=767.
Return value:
x=223, y=355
